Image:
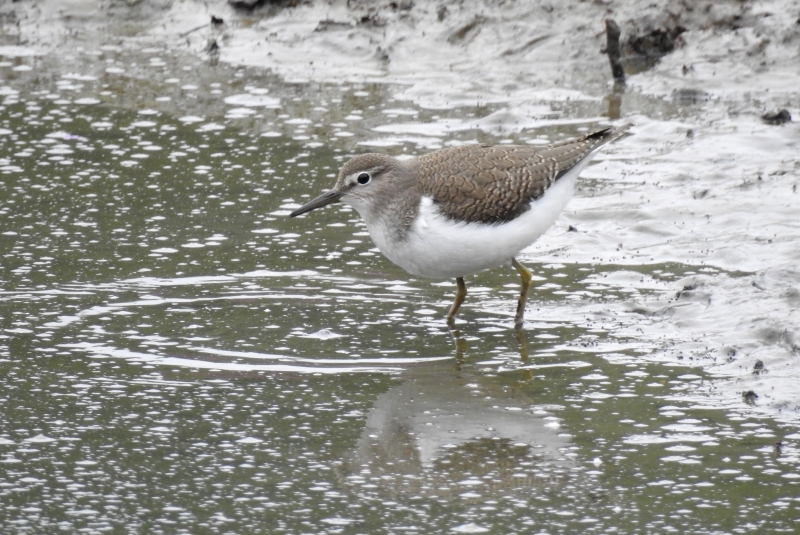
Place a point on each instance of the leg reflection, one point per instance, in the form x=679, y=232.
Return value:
x=522, y=339
x=460, y=346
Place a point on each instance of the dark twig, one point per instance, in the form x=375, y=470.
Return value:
x=613, y=52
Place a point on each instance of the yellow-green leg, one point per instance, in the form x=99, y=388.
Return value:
x=526, y=276
x=461, y=293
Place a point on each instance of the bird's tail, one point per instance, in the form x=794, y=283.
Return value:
x=572, y=155
x=600, y=138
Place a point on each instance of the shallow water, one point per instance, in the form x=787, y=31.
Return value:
x=178, y=356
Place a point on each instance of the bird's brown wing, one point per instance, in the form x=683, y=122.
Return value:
x=493, y=184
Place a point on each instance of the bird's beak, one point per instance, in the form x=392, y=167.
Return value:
x=325, y=199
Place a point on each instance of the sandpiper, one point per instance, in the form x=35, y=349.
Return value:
x=460, y=210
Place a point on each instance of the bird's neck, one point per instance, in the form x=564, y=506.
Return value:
x=397, y=209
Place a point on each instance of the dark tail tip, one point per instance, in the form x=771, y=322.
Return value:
x=612, y=133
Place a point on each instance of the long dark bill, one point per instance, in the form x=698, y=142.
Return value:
x=329, y=197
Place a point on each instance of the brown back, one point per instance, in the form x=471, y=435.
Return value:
x=494, y=184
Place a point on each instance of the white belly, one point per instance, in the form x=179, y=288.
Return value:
x=440, y=248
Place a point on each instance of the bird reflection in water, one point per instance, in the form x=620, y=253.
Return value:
x=456, y=432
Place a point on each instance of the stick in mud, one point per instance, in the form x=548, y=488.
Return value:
x=613, y=52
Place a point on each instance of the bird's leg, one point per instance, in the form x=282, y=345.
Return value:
x=526, y=276
x=461, y=293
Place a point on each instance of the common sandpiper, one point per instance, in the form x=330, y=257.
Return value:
x=460, y=210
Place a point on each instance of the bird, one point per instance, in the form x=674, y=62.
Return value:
x=460, y=210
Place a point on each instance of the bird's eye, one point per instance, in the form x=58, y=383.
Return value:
x=363, y=178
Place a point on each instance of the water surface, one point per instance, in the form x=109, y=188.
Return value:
x=178, y=356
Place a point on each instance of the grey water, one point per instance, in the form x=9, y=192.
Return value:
x=177, y=356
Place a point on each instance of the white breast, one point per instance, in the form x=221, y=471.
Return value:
x=440, y=248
